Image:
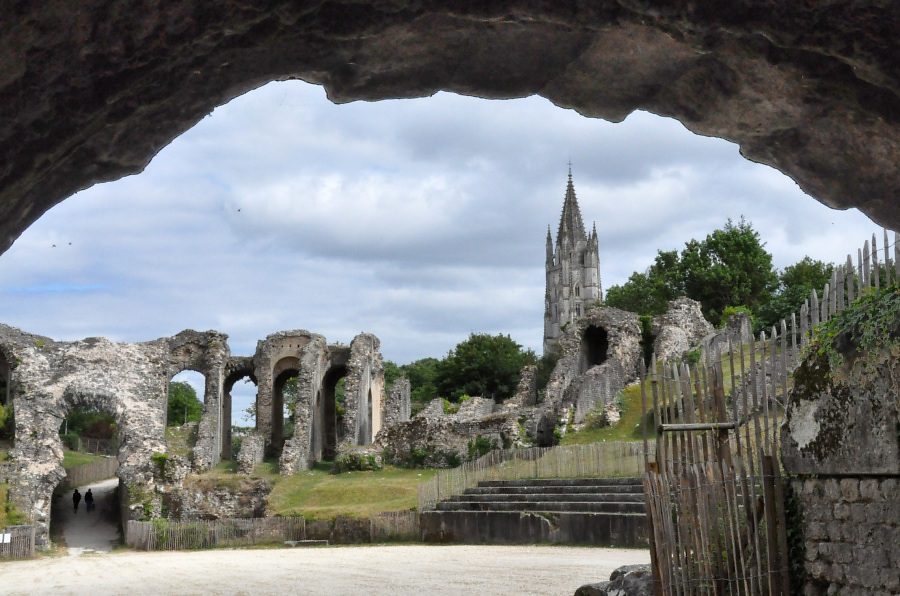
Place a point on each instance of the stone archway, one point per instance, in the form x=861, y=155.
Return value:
x=92, y=90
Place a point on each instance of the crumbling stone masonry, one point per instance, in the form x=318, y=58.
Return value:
x=318, y=431
x=598, y=355
x=47, y=379
x=679, y=329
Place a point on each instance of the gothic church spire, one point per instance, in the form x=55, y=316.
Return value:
x=570, y=224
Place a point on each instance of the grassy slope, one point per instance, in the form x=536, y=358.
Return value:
x=628, y=428
x=319, y=494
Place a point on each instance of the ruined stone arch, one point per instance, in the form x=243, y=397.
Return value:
x=333, y=431
x=236, y=369
x=284, y=369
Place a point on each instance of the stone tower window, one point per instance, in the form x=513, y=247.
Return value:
x=578, y=291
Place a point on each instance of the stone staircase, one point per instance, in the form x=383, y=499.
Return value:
x=597, y=511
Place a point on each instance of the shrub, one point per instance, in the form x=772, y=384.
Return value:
x=597, y=418
x=356, y=461
x=480, y=446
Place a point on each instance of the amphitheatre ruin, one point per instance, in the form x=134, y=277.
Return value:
x=781, y=478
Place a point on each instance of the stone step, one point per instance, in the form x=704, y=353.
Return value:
x=508, y=527
x=557, y=497
x=296, y=543
x=624, y=489
x=565, y=482
x=609, y=507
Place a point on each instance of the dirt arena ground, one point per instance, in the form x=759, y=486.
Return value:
x=363, y=570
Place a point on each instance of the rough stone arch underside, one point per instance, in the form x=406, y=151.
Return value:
x=90, y=91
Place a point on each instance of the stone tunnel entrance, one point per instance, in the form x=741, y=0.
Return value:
x=90, y=433
x=594, y=347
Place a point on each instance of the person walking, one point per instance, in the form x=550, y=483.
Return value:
x=89, y=500
x=76, y=499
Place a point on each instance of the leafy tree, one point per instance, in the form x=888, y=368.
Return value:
x=485, y=365
x=731, y=266
x=183, y=404
x=648, y=293
x=392, y=372
x=422, y=375
x=794, y=286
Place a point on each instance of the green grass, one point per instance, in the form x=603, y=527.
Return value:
x=319, y=494
x=627, y=429
x=180, y=440
x=77, y=458
x=9, y=515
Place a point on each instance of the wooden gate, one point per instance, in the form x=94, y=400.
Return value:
x=713, y=487
x=713, y=483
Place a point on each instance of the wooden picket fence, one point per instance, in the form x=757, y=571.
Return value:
x=166, y=534
x=592, y=460
x=395, y=525
x=713, y=482
x=17, y=542
x=92, y=472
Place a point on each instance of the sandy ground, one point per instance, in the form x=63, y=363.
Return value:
x=85, y=531
x=364, y=570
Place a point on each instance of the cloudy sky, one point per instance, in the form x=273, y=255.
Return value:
x=417, y=220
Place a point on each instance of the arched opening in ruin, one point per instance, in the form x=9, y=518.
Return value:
x=331, y=410
x=284, y=398
x=184, y=410
x=239, y=397
x=594, y=347
x=92, y=432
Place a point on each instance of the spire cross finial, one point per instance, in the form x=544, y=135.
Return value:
x=570, y=168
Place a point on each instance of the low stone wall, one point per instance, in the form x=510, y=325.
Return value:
x=444, y=441
x=517, y=527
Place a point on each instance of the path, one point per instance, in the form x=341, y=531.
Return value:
x=89, y=532
x=370, y=570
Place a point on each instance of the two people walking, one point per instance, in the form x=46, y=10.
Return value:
x=88, y=500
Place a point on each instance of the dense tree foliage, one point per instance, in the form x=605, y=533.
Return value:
x=485, y=365
x=729, y=271
x=795, y=284
x=730, y=266
x=183, y=404
x=648, y=293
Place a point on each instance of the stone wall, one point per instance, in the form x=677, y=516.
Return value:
x=852, y=534
x=444, y=441
x=252, y=452
x=841, y=445
x=397, y=405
